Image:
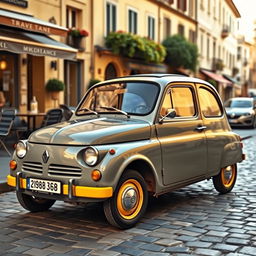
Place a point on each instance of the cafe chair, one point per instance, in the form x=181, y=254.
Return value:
x=20, y=127
x=67, y=112
x=52, y=116
x=6, y=122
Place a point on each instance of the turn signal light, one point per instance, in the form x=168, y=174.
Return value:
x=13, y=165
x=96, y=175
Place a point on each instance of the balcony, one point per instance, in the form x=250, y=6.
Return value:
x=217, y=64
x=245, y=62
x=225, y=32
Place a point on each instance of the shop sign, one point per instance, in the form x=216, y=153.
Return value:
x=20, y=3
x=30, y=26
x=35, y=50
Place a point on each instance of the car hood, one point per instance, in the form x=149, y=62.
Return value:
x=92, y=132
x=238, y=110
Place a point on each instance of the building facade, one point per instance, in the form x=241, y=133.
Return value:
x=157, y=21
x=217, y=42
x=36, y=46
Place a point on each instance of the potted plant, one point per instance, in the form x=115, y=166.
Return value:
x=54, y=86
x=76, y=35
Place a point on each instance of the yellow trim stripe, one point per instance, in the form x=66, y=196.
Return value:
x=90, y=192
x=78, y=191
x=11, y=181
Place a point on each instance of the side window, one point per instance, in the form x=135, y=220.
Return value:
x=183, y=103
x=209, y=104
x=181, y=100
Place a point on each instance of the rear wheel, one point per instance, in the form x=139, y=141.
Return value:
x=226, y=179
x=34, y=204
x=129, y=201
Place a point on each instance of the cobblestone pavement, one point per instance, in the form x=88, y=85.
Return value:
x=195, y=220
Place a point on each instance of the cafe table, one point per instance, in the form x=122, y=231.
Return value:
x=31, y=116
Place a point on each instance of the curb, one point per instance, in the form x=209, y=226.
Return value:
x=4, y=187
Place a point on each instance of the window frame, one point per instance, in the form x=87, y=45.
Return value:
x=128, y=20
x=207, y=88
x=166, y=32
x=151, y=27
x=192, y=87
x=111, y=3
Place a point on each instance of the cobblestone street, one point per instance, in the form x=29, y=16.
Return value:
x=191, y=221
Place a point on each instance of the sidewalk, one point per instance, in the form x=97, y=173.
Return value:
x=4, y=167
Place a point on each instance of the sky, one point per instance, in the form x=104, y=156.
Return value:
x=247, y=9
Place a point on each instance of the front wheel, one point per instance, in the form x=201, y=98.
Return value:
x=129, y=201
x=34, y=204
x=226, y=179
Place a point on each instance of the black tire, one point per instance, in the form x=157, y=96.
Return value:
x=134, y=187
x=34, y=204
x=226, y=179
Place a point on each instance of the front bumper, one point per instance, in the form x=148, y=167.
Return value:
x=241, y=121
x=69, y=190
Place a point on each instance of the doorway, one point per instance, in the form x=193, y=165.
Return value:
x=9, y=74
x=73, y=81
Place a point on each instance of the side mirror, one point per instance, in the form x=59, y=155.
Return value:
x=171, y=114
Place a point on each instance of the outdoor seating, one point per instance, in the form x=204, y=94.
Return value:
x=67, y=112
x=6, y=122
x=53, y=116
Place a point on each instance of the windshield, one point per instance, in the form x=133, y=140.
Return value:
x=238, y=104
x=135, y=98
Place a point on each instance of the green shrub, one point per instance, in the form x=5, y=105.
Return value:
x=134, y=46
x=181, y=53
x=93, y=82
x=54, y=85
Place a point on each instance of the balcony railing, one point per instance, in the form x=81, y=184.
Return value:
x=225, y=32
x=217, y=64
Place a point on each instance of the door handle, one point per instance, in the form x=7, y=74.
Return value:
x=200, y=128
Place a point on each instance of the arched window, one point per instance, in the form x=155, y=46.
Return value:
x=110, y=71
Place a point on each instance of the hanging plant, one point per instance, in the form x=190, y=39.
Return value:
x=134, y=46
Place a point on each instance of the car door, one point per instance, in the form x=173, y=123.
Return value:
x=182, y=138
x=216, y=125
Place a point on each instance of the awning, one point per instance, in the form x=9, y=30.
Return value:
x=18, y=41
x=217, y=77
x=28, y=22
x=232, y=80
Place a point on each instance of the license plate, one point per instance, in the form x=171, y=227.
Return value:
x=233, y=121
x=44, y=185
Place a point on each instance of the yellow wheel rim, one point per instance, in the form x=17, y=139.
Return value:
x=130, y=199
x=228, y=175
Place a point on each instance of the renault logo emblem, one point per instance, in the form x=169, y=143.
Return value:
x=45, y=156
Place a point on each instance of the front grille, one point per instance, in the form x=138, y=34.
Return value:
x=34, y=167
x=64, y=170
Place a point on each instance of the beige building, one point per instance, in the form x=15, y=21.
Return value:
x=35, y=46
x=217, y=42
x=147, y=18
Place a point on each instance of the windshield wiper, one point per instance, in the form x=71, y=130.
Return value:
x=89, y=110
x=117, y=110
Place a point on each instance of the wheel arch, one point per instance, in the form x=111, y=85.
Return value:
x=145, y=167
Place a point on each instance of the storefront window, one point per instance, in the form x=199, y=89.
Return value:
x=9, y=79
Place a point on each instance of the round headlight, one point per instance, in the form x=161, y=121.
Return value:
x=91, y=156
x=21, y=149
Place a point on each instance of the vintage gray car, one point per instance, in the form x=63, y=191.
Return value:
x=129, y=138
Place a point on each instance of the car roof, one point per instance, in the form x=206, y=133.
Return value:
x=162, y=79
x=242, y=98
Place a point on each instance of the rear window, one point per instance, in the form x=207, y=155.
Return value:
x=209, y=104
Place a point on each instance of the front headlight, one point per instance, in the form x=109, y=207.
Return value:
x=91, y=156
x=21, y=149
